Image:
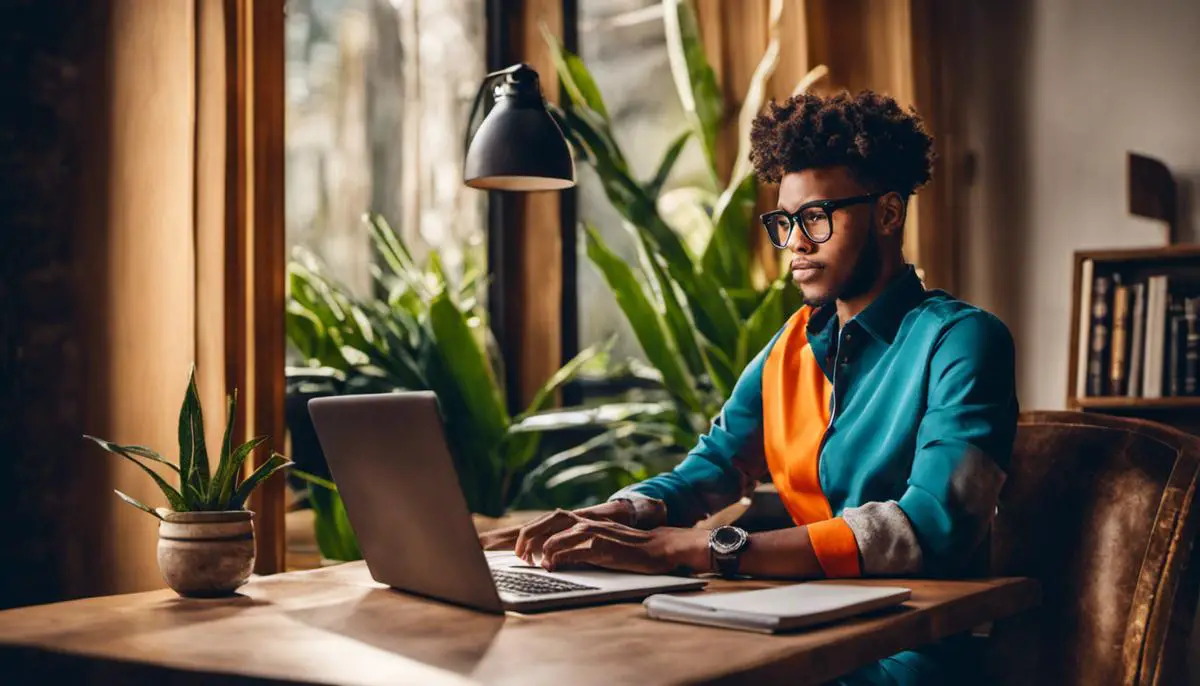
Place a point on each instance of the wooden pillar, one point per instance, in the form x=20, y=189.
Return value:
x=527, y=234
x=256, y=256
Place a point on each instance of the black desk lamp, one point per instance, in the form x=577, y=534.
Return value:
x=518, y=146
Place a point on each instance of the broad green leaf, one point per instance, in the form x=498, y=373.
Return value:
x=586, y=449
x=229, y=478
x=468, y=368
x=694, y=78
x=647, y=324
x=583, y=471
x=727, y=255
x=173, y=496
x=712, y=309
x=766, y=321
x=574, y=76
x=335, y=537
x=314, y=479
x=678, y=319
x=347, y=543
x=138, y=504
x=273, y=464
x=521, y=446
x=793, y=299
x=667, y=164
x=605, y=415
x=588, y=128
x=720, y=368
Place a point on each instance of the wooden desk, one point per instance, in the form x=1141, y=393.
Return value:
x=336, y=626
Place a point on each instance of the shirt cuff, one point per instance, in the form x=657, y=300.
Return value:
x=836, y=549
x=885, y=538
x=648, y=512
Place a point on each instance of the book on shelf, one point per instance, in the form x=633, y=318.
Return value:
x=1137, y=337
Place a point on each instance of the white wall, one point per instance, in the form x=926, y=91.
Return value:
x=1057, y=92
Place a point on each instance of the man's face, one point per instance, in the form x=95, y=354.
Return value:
x=846, y=265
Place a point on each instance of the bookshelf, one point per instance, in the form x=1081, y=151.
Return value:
x=1128, y=357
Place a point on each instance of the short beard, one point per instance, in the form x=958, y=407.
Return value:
x=862, y=278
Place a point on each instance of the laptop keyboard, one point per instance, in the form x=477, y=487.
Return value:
x=534, y=584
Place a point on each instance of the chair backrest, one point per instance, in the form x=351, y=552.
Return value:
x=1101, y=510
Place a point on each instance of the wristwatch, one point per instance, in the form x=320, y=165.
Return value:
x=726, y=544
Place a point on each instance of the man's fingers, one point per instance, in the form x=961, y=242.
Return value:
x=566, y=539
x=583, y=555
x=499, y=539
x=531, y=536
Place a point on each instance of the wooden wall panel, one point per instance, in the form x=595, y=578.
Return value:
x=210, y=218
x=146, y=295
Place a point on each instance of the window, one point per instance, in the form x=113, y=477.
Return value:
x=624, y=45
x=378, y=95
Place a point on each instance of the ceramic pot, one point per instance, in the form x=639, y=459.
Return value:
x=206, y=554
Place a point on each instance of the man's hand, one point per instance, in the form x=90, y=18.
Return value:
x=526, y=540
x=623, y=548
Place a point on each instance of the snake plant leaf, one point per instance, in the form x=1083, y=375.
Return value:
x=230, y=475
x=143, y=451
x=212, y=495
x=273, y=464
x=193, y=455
x=174, y=498
x=138, y=504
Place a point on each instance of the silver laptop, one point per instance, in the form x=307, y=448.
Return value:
x=389, y=457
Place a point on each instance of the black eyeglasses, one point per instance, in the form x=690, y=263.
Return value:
x=815, y=219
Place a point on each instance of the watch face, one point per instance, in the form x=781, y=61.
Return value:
x=727, y=539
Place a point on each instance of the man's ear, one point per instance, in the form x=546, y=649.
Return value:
x=892, y=210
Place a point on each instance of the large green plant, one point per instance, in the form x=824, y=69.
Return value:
x=201, y=489
x=697, y=315
x=423, y=331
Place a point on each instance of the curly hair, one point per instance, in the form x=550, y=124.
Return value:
x=884, y=147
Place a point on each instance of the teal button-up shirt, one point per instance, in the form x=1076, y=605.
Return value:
x=921, y=419
x=924, y=413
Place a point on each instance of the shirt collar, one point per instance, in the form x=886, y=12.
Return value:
x=882, y=316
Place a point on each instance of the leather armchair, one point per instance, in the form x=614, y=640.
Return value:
x=1101, y=510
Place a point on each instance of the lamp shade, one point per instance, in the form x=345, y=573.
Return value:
x=519, y=146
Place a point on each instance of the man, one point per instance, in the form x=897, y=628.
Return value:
x=883, y=412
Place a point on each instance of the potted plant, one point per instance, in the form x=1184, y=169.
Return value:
x=206, y=536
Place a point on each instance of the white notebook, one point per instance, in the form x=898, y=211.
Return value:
x=776, y=609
